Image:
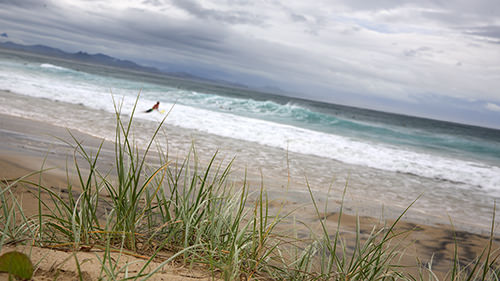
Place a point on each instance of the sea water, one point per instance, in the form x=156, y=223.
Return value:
x=386, y=159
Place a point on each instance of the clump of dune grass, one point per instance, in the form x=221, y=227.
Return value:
x=201, y=206
x=15, y=227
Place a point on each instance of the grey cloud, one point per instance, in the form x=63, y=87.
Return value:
x=298, y=18
x=233, y=17
x=449, y=16
x=492, y=31
x=485, y=8
x=25, y=3
x=156, y=3
x=453, y=14
x=184, y=36
x=130, y=27
x=421, y=51
x=469, y=23
x=377, y=5
x=477, y=18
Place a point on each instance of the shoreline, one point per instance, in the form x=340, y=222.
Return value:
x=26, y=144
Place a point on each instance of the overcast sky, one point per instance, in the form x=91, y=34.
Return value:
x=432, y=58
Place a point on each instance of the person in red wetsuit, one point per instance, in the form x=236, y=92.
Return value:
x=155, y=107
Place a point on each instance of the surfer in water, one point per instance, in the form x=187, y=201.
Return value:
x=155, y=107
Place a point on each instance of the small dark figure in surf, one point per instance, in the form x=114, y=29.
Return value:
x=155, y=107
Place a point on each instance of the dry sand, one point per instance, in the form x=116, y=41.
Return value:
x=25, y=145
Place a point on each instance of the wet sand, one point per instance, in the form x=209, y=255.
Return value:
x=27, y=146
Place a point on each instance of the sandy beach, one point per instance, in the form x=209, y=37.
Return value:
x=27, y=146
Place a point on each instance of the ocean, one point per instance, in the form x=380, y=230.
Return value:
x=385, y=159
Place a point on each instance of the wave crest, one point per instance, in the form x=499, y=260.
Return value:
x=54, y=67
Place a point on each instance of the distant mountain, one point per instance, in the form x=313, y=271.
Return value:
x=79, y=56
x=114, y=62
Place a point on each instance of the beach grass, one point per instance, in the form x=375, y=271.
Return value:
x=193, y=213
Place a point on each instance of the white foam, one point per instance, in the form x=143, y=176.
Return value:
x=55, y=67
